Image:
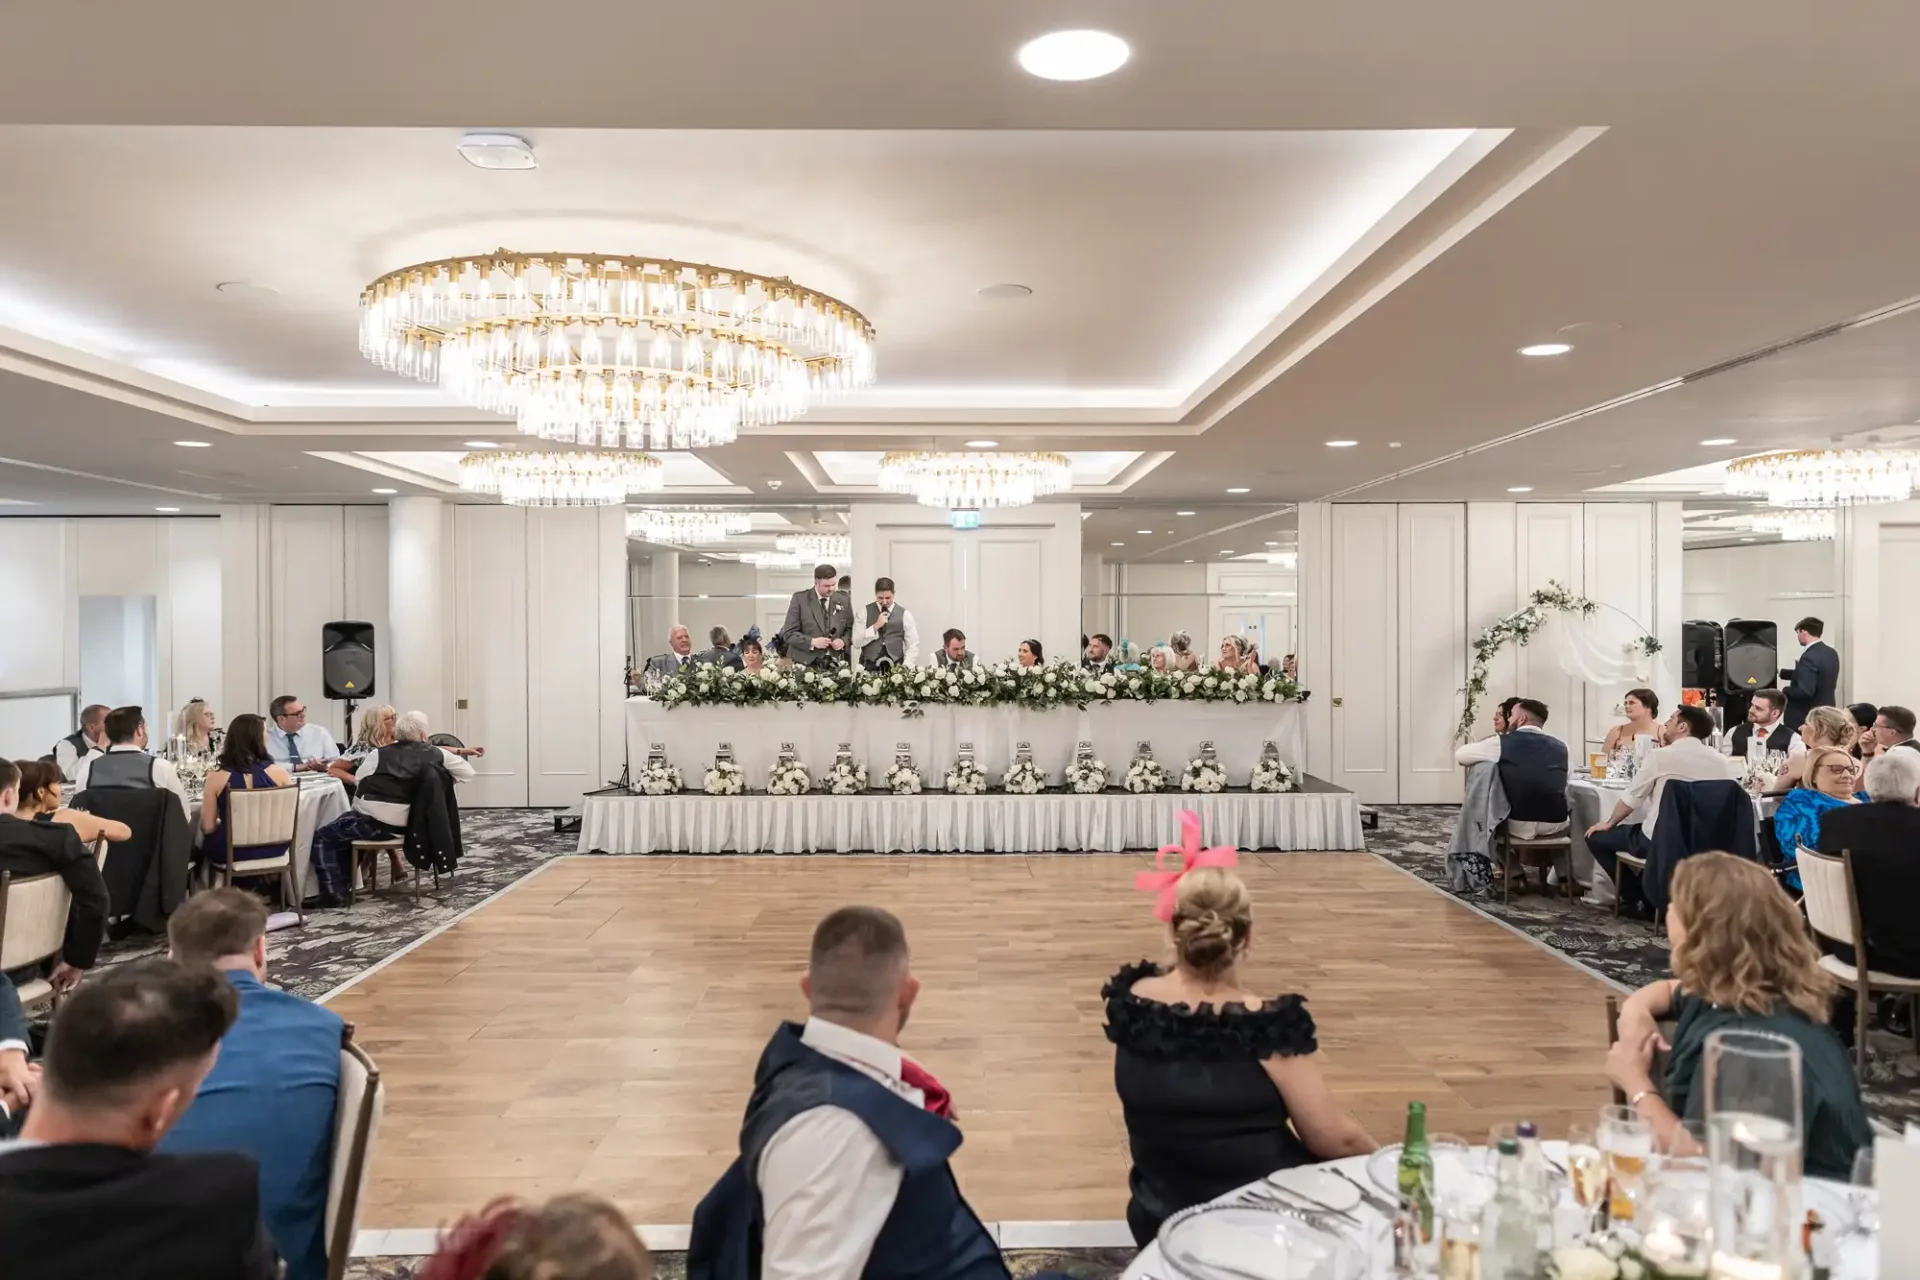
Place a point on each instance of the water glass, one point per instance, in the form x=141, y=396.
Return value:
x=1676, y=1214
x=1586, y=1168
x=1626, y=1141
x=1754, y=1134
x=1458, y=1206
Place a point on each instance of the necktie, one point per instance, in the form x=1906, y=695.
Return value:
x=938, y=1100
x=293, y=749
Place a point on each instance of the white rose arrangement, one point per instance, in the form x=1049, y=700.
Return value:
x=788, y=778
x=1271, y=774
x=1024, y=779
x=966, y=779
x=904, y=780
x=193, y=771
x=848, y=777
x=1146, y=776
x=724, y=778
x=1203, y=775
x=1606, y=1260
x=660, y=779
x=1087, y=777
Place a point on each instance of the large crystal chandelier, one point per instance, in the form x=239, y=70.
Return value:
x=584, y=478
x=613, y=351
x=775, y=559
x=830, y=547
x=686, y=526
x=968, y=481
x=1807, y=524
x=1823, y=477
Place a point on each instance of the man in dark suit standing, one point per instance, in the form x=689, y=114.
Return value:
x=1766, y=720
x=82, y=1192
x=1815, y=679
x=818, y=622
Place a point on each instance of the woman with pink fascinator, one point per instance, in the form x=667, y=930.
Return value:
x=1218, y=1085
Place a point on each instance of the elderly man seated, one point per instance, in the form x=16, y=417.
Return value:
x=1883, y=837
x=664, y=666
x=389, y=781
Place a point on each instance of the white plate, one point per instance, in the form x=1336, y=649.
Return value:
x=1328, y=1190
x=1253, y=1242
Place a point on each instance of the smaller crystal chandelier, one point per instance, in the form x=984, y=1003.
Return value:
x=686, y=526
x=775, y=559
x=1823, y=477
x=964, y=481
x=831, y=547
x=1806, y=524
x=585, y=478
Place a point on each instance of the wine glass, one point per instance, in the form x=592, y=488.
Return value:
x=1586, y=1169
x=1626, y=1141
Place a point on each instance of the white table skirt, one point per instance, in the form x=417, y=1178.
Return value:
x=322, y=799
x=691, y=735
x=881, y=823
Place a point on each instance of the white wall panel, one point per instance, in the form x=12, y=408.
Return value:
x=245, y=597
x=191, y=617
x=1492, y=576
x=1012, y=598
x=1897, y=679
x=1432, y=648
x=364, y=584
x=1619, y=573
x=1365, y=642
x=490, y=627
x=1548, y=540
x=306, y=591
x=39, y=643
x=563, y=654
x=927, y=576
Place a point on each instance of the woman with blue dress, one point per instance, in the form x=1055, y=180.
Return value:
x=243, y=765
x=1831, y=774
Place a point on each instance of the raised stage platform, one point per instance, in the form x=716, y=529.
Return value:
x=1317, y=816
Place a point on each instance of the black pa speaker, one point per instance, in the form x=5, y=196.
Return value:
x=346, y=660
x=1752, y=659
x=1703, y=655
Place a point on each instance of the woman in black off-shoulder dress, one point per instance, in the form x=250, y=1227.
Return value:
x=1219, y=1087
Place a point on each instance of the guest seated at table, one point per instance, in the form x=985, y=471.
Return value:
x=302, y=747
x=374, y=731
x=1099, y=653
x=1031, y=654
x=1290, y=667
x=953, y=650
x=126, y=762
x=1217, y=1084
x=1742, y=961
x=1161, y=660
x=576, y=1234
x=32, y=848
x=390, y=781
x=720, y=651
x=1883, y=838
x=1184, y=658
x=1533, y=770
x=1764, y=720
x=1503, y=715
x=195, y=728
x=1832, y=777
x=1893, y=727
x=243, y=765
x=1232, y=653
x=1643, y=709
x=40, y=785
x=1629, y=828
x=1864, y=714
x=1823, y=727
x=1250, y=663
x=89, y=739
x=83, y=1192
x=272, y=1093
x=19, y=1079
x=753, y=659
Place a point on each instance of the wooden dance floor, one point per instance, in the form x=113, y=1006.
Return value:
x=597, y=1025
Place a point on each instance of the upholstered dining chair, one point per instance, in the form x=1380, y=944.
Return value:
x=1832, y=901
x=356, y=1123
x=33, y=926
x=1658, y=1069
x=260, y=818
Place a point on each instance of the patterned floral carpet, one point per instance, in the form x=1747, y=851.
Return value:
x=1628, y=951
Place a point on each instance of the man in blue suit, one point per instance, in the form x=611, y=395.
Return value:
x=272, y=1093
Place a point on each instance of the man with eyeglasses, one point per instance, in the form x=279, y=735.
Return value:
x=296, y=744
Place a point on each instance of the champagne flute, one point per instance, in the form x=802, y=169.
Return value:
x=1586, y=1168
x=1627, y=1141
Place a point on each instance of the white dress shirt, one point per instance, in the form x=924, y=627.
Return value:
x=1487, y=751
x=68, y=759
x=391, y=812
x=163, y=775
x=864, y=635
x=314, y=741
x=1687, y=760
x=827, y=1184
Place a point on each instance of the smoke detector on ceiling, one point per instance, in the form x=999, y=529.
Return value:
x=497, y=151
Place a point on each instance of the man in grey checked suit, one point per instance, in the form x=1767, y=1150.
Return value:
x=819, y=620
x=680, y=655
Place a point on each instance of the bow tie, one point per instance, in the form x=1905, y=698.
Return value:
x=938, y=1100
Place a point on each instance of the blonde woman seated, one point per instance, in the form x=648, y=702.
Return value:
x=1218, y=1085
x=1232, y=653
x=195, y=725
x=1824, y=727
x=376, y=730
x=40, y=784
x=1742, y=961
x=1643, y=716
x=1832, y=781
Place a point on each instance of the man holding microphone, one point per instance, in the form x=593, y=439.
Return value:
x=818, y=622
x=890, y=637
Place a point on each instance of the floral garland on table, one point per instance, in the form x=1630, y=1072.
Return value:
x=788, y=778
x=1087, y=777
x=904, y=780
x=1519, y=628
x=1146, y=776
x=1271, y=774
x=725, y=778
x=966, y=779
x=1024, y=778
x=912, y=689
x=1203, y=775
x=848, y=777
x=659, y=779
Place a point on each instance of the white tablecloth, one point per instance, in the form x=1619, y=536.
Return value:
x=322, y=799
x=691, y=735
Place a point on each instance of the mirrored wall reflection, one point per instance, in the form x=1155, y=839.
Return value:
x=119, y=654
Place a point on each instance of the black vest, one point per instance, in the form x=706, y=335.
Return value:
x=121, y=769
x=1533, y=773
x=396, y=778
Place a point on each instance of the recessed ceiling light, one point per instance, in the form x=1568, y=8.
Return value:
x=983, y=444
x=1547, y=349
x=1341, y=444
x=167, y=510
x=1746, y=539
x=194, y=444
x=1239, y=491
x=243, y=290
x=386, y=491
x=1074, y=55
x=1186, y=562
x=1393, y=444
x=1183, y=513
x=1717, y=441
x=1273, y=544
x=1227, y=552
x=479, y=444
x=1143, y=531
x=497, y=151
x=1005, y=291
x=1520, y=488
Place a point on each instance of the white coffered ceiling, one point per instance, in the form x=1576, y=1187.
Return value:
x=1275, y=227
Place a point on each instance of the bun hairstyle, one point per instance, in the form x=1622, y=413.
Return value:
x=1212, y=918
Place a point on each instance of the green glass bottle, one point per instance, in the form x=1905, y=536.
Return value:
x=1416, y=1170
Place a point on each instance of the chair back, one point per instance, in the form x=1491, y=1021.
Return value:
x=1658, y=1067
x=258, y=816
x=356, y=1121
x=444, y=740
x=1826, y=885
x=33, y=917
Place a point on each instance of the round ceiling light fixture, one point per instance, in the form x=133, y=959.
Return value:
x=1341, y=444
x=1081, y=54
x=246, y=291
x=1810, y=524
x=1824, y=477
x=497, y=151
x=834, y=548
x=1006, y=292
x=983, y=444
x=687, y=526
x=608, y=352
x=1239, y=491
x=975, y=480
x=1718, y=441
x=586, y=478
x=1547, y=349
x=194, y=444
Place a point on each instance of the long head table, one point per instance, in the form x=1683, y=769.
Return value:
x=692, y=735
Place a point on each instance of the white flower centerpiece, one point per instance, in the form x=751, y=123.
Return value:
x=1086, y=776
x=965, y=778
x=659, y=779
x=1270, y=772
x=848, y=777
x=1204, y=772
x=1145, y=775
x=903, y=779
x=724, y=778
x=193, y=771
x=788, y=777
x=1023, y=775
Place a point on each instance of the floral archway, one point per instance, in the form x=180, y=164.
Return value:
x=1581, y=655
